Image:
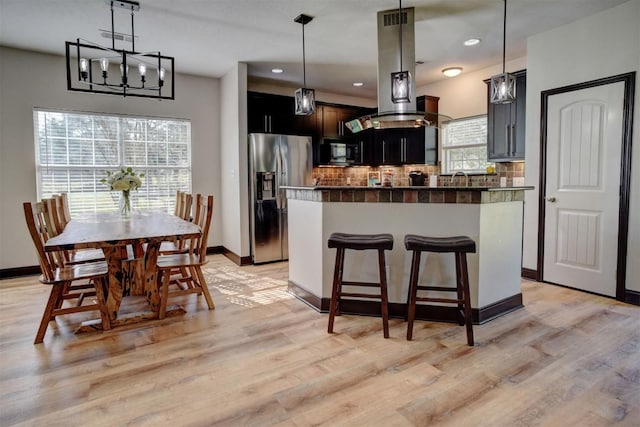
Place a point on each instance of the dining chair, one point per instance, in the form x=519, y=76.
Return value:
x=184, y=201
x=55, y=221
x=61, y=278
x=64, y=215
x=190, y=262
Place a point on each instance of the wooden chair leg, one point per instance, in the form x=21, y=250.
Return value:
x=202, y=284
x=335, y=293
x=55, y=298
x=384, y=303
x=412, y=293
x=467, y=298
x=460, y=289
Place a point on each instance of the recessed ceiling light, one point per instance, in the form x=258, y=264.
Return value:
x=358, y=84
x=452, y=71
x=471, y=42
x=277, y=70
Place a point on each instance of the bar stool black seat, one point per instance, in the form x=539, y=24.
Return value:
x=359, y=242
x=460, y=246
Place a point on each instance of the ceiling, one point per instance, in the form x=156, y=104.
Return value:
x=207, y=37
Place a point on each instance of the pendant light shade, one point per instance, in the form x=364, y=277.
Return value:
x=503, y=86
x=305, y=98
x=401, y=80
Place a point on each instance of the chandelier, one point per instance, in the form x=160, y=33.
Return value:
x=98, y=69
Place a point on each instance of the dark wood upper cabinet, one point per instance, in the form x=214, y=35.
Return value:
x=335, y=117
x=270, y=113
x=506, y=124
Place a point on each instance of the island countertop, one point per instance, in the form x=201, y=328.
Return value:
x=406, y=194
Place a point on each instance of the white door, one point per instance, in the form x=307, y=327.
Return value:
x=584, y=143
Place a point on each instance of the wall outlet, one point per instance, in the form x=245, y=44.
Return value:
x=518, y=181
x=503, y=181
x=348, y=180
x=433, y=180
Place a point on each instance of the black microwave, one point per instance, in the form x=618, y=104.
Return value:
x=340, y=153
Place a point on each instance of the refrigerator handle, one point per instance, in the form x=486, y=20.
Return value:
x=278, y=181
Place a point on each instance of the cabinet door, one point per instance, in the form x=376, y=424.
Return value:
x=414, y=146
x=506, y=125
x=390, y=144
x=282, y=112
x=330, y=123
x=499, y=130
x=518, y=117
x=257, y=115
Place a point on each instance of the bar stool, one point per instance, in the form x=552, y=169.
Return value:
x=359, y=242
x=458, y=245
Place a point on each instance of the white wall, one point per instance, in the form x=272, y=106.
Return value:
x=29, y=79
x=233, y=167
x=466, y=94
x=602, y=45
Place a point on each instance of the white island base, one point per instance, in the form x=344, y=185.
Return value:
x=491, y=217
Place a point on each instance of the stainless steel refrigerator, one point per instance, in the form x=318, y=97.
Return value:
x=274, y=161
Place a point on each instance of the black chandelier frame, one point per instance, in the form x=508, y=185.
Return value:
x=85, y=73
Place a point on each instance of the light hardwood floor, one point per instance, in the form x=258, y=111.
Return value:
x=263, y=358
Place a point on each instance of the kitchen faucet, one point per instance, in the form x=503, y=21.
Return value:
x=463, y=173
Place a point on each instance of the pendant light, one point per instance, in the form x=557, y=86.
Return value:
x=503, y=86
x=305, y=97
x=401, y=80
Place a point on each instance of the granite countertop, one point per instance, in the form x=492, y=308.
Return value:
x=454, y=188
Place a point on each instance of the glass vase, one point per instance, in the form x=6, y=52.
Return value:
x=124, y=204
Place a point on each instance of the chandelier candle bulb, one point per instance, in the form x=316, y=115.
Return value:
x=84, y=68
x=142, y=70
x=104, y=66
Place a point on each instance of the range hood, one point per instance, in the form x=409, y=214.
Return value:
x=395, y=115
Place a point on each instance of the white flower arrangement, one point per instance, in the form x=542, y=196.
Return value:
x=123, y=180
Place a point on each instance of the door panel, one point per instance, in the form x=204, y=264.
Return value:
x=584, y=137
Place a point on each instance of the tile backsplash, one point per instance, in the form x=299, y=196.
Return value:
x=358, y=175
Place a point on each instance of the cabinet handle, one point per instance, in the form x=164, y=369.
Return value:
x=384, y=152
x=507, y=139
x=361, y=153
x=404, y=150
x=270, y=125
x=513, y=140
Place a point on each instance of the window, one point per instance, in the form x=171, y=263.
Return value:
x=74, y=150
x=464, y=145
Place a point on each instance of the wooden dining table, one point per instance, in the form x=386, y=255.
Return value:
x=131, y=246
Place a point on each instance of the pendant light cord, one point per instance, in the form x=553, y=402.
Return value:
x=304, y=67
x=400, y=18
x=504, y=36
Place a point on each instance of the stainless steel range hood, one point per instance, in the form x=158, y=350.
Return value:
x=390, y=114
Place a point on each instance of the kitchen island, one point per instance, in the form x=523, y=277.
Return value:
x=492, y=216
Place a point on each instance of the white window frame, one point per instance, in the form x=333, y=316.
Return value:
x=446, y=150
x=88, y=194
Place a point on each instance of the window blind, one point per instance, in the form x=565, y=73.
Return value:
x=464, y=145
x=74, y=150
